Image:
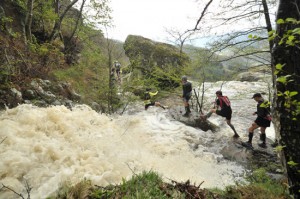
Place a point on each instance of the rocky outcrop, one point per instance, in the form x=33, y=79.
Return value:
x=152, y=53
x=193, y=120
x=40, y=93
x=253, y=76
x=155, y=60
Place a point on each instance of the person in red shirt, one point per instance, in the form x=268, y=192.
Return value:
x=224, y=111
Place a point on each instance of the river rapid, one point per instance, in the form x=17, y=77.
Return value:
x=48, y=147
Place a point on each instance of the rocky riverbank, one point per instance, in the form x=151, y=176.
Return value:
x=40, y=93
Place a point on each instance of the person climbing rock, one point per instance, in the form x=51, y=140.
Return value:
x=225, y=111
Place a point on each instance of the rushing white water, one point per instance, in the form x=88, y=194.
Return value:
x=50, y=146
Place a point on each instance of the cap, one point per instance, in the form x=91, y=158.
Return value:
x=256, y=95
x=184, y=78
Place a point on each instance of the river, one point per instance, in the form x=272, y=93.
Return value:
x=50, y=146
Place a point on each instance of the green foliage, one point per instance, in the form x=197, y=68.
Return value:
x=144, y=185
x=284, y=77
x=159, y=61
x=254, y=37
x=288, y=89
x=279, y=148
x=98, y=14
x=165, y=78
x=203, y=67
x=89, y=78
x=271, y=188
x=20, y=5
x=292, y=163
x=150, y=185
x=290, y=36
x=259, y=185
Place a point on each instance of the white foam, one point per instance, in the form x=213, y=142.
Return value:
x=49, y=146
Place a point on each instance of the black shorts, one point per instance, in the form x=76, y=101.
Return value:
x=147, y=105
x=187, y=97
x=226, y=112
x=262, y=122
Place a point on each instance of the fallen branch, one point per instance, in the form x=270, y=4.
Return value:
x=3, y=140
x=27, y=187
x=10, y=189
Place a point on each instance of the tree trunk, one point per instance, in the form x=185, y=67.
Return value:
x=56, y=28
x=271, y=42
x=287, y=116
x=111, y=81
x=28, y=20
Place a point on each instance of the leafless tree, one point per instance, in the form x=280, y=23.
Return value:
x=179, y=38
x=242, y=28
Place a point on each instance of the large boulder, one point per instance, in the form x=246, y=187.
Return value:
x=155, y=60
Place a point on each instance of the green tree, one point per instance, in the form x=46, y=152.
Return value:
x=286, y=55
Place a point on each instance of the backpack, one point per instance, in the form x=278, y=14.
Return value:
x=224, y=99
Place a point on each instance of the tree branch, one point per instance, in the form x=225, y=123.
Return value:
x=202, y=15
x=10, y=189
x=3, y=140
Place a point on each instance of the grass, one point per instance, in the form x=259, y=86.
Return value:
x=150, y=185
x=145, y=185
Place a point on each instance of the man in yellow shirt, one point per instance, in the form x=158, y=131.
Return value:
x=147, y=99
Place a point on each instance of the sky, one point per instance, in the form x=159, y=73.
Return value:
x=150, y=18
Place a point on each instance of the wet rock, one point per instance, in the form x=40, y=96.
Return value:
x=29, y=94
x=40, y=103
x=252, y=76
x=56, y=103
x=97, y=107
x=277, y=176
x=48, y=97
x=256, y=157
x=69, y=92
x=10, y=97
x=192, y=120
x=40, y=93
